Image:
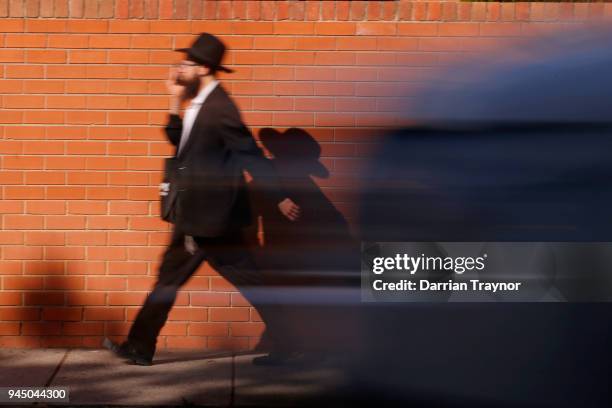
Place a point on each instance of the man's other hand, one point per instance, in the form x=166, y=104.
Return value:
x=289, y=209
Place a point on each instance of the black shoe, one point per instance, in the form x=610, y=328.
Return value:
x=128, y=352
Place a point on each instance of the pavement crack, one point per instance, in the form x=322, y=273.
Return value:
x=57, y=369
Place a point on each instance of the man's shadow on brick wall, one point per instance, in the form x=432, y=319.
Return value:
x=312, y=264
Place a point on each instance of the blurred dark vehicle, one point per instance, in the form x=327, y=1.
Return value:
x=515, y=149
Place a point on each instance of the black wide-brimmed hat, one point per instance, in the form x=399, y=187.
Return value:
x=207, y=50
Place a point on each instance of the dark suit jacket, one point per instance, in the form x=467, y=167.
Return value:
x=210, y=190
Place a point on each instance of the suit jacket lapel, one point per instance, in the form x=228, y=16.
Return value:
x=197, y=122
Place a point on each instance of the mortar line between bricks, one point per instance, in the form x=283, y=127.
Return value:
x=57, y=369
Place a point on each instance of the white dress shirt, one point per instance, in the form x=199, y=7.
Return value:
x=191, y=112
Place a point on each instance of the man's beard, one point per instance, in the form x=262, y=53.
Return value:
x=192, y=87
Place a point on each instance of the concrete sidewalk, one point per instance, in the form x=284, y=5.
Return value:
x=177, y=378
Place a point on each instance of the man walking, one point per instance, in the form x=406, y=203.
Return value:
x=207, y=198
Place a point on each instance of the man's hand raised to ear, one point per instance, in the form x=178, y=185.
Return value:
x=175, y=90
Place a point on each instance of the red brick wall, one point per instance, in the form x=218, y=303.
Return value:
x=83, y=98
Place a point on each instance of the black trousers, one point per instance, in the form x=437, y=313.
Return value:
x=229, y=255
